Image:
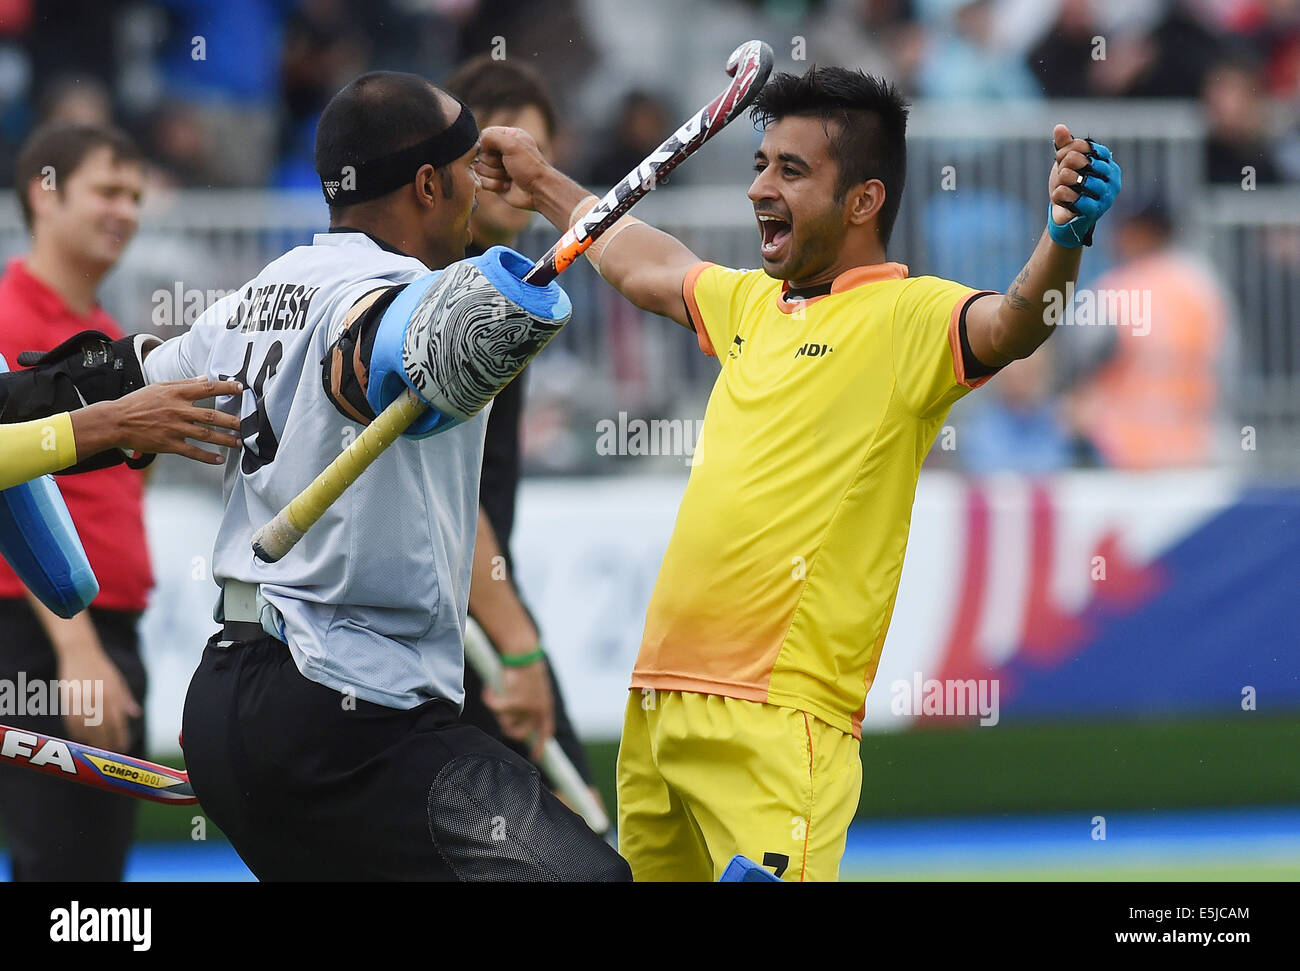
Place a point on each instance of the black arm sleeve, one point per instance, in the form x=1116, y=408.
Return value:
x=975, y=368
x=346, y=366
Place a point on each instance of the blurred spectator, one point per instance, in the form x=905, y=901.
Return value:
x=962, y=62
x=74, y=38
x=554, y=43
x=325, y=46
x=1017, y=426
x=77, y=101
x=178, y=146
x=1154, y=402
x=1170, y=61
x=222, y=57
x=1064, y=58
x=1273, y=29
x=643, y=122
x=879, y=37
x=80, y=225
x=1238, y=125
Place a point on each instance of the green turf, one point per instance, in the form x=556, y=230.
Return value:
x=1237, y=760
x=1245, y=759
x=1282, y=870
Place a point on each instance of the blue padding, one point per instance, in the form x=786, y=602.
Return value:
x=38, y=540
x=741, y=869
x=387, y=375
x=504, y=269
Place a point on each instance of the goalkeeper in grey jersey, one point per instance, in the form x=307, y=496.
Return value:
x=321, y=728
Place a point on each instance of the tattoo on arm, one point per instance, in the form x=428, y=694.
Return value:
x=1014, y=300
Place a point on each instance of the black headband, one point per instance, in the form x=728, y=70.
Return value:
x=380, y=176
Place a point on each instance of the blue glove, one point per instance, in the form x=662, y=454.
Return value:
x=1097, y=194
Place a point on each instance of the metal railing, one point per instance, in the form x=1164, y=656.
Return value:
x=972, y=210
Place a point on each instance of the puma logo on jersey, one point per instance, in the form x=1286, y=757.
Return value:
x=813, y=350
x=737, y=345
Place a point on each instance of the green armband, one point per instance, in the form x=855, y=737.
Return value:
x=523, y=660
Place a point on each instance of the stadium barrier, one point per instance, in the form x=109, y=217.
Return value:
x=1089, y=595
x=972, y=211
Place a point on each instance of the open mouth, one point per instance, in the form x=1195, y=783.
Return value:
x=775, y=232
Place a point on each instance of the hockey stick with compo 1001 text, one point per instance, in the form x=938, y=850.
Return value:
x=749, y=66
x=129, y=776
x=95, y=767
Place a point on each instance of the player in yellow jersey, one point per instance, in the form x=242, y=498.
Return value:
x=767, y=621
x=156, y=418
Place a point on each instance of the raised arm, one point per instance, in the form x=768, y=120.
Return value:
x=1012, y=327
x=650, y=271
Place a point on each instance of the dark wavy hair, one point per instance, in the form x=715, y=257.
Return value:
x=866, y=121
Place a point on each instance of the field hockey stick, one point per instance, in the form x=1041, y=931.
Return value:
x=749, y=66
x=555, y=765
x=95, y=767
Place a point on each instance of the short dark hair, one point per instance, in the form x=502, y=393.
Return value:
x=61, y=147
x=489, y=86
x=870, y=140
x=377, y=114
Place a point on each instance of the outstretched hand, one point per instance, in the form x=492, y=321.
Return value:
x=160, y=418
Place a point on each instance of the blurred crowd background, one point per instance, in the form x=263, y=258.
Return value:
x=1199, y=98
x=227, y=92
x=1177, y=368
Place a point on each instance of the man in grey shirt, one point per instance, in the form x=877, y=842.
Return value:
x=321, y=728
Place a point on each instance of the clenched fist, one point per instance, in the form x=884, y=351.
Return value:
x=1084, y=183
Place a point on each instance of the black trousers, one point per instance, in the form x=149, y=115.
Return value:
x=57, y=830
x=312, y=784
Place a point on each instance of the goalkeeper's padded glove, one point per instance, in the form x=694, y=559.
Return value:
x=85, y=369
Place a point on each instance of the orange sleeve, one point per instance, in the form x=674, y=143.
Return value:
x=954, y=340
x=718, y=298
x=693, y=307
x=927, y=354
